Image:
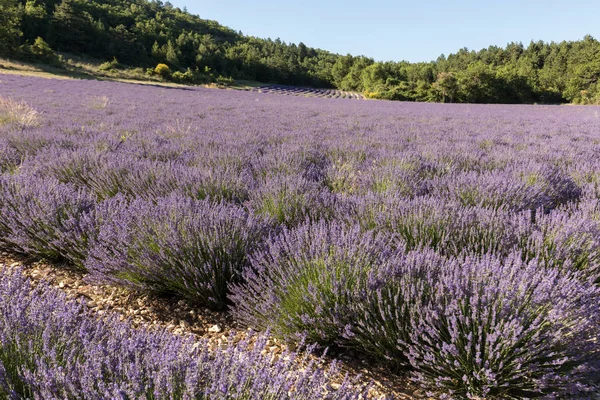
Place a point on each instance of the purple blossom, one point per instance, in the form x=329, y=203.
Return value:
x=174, y=245
x=52, y=348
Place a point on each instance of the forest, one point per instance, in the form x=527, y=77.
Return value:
x=143, y=34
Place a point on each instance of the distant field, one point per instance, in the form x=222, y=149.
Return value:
x=307, y=92
x=455, y=246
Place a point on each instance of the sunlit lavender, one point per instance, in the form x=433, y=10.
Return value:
x=51, y=349
x=456, y=245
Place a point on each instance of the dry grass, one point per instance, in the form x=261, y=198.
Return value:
x=100, y=102
x=178, y=129
x=18, y=113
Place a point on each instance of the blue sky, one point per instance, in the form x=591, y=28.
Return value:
x=416, y=30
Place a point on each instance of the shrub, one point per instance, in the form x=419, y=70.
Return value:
x=176, y=245
x=479, y=327
x=188, y=76
x=504, y=329
x=385, y=315
x=567, y=240
x=162, y=70
x=110, y=65
x=179, y=76
x=41, y=51
x=9, y=158
x=307, y=277
x=407, y=178
x=224, y=81
x=446, y=226
x=50, y=348
x=516, y=188
x=108, y=174
x=291, y=199
x=45, y=219
x=105, y=175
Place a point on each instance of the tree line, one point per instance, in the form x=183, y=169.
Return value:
x=141, y=33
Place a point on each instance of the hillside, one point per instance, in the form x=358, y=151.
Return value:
x=142, y=34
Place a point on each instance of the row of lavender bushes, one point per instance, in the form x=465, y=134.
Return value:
x=52, y=348
x=459, y=245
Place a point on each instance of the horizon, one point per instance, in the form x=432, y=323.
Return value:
x=399, y=34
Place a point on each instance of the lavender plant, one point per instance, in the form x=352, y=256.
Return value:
x=483, y=327
x=304, y=283
x=45, y=219
x=9, y=158
x=386, y=311
x=447, y=226
x=505, y=329
x=175, y=245
x=567, y=240
x=52, y=348
x=289, y=200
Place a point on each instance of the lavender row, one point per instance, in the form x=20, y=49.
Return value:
x=467, y=326
x=51, y=348
x=49, y=219
x=307, y=92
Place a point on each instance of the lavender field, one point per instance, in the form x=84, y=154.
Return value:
x=307, y=92
x=457, y=245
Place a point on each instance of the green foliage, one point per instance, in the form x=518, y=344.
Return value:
x=446, y=86
x=162, y=70
x=42, y=52
x=145, y=33
x=10, y=30
x=109, y=65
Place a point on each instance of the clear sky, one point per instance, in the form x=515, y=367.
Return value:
x=416, y=30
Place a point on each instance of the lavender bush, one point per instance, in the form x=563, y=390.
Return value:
x=387, y=309
x=517, y=188
x=431, y=222
x=51, y=348
x=304, y=283
x=106, y=175
x=505, y=329
x=175, y=245
x=9, y=158
x=566, y=239
x=289, y=200
x=46, y=219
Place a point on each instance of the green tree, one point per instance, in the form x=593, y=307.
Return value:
x=446, y=86
x=172, y=53
x=374, y=77
x=10, y=26
x=36, y=21
x=584, y=72
x=340, y=69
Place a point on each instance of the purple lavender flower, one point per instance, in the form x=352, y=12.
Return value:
x=51, y=348
x=46, y=219
x=504, y=328
x=307, y=278
x=174, y=245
